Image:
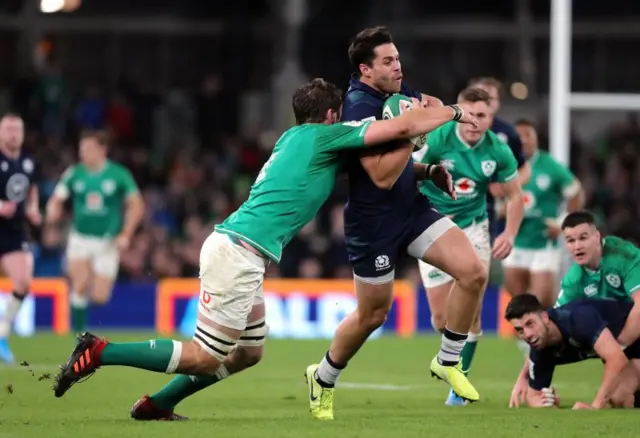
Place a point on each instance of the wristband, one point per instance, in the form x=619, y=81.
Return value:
x=458, y=112
x=427, y=171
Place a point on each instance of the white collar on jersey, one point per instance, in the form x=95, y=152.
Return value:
x=464, y=142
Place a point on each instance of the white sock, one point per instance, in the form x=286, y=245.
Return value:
x=328, y=372
x=78, y=301
x=13, y=307
x=222, y=372
x=450, y=347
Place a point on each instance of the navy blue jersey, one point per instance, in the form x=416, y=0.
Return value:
x=16, y=178
x=362, y=102
x=581, y=323
x=508, y=134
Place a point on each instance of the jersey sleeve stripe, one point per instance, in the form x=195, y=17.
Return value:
x=61, y=191
x=571, y=190
x=511, y=177
x=633, y=289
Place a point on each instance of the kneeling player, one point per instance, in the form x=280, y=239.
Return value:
x=474, y=156
x=534, y=261
x=288, y=192
x=577, y=331
x=18, y=201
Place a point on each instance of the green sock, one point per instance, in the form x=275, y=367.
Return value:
x=181, y=387
x=159, y=355
x=468, y=351
x=79, y=312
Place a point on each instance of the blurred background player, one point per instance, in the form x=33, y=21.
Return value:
x=574, y=332
x=474, y=156
x=386, y=217
x=534, y=262
x=606, y=268
x=107, y=208
x=231, y=327
x=18, y=203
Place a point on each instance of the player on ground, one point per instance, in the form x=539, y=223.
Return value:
x=533, y=264
x=107, y=208
x=289, y=190
x=18, y=203
x=607, y=268
x=387, y=216
x=572, y=333
x=474, y=157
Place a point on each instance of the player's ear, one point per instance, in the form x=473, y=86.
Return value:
x=365, y=70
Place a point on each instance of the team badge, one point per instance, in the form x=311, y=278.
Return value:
x=613, y=280
x=543, y=182
x=590, y=290
x=488, y=167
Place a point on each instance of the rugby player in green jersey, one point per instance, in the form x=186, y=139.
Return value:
x=606, y=267
x=107, y=208
x=288, y=192
x=474, y=157
x=534, y=261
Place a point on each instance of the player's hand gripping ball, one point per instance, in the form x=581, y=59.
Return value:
x=396, y=105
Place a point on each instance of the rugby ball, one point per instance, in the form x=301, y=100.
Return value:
x=396, y=105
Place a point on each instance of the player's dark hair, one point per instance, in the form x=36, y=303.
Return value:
x=474, y=95
x=487, y=81
x=363, y=46
x=10, y=115
x=312, y=101
x=521, y=305
x=578, y=218
x=101, y=137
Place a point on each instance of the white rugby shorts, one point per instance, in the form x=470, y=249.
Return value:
x=102, y=252
x=479, y=236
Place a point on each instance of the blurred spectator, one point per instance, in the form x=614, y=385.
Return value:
x=91, y=110
x=48, y=254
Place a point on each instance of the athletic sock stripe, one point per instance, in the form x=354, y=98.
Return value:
x=251, y=338
x=257, y=326
x=215, y=338
x=209, y=345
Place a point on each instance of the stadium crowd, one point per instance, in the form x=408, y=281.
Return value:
x=194, y=168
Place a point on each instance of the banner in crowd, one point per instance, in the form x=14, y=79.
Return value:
x=295, y=308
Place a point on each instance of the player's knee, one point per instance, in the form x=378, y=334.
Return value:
x=249, y=356
x=622, y=399
x=212, y=347
x=371, y=319
x=473, y=276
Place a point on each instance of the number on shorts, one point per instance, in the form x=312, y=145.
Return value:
x=265, y=167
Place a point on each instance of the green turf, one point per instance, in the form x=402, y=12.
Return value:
x=270, y=400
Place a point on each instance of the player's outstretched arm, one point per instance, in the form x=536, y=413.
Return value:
x=414, y=123
x=608, y=349
x=631, y=331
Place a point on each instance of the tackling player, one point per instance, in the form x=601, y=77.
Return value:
x=18, y=202
x=572, y=333
x=474, y=156
x=293, y=184
x=107, y=208
x=607, y=268
x=385, y=217
x=534, y=262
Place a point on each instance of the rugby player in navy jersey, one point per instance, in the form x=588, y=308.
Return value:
x=18, y=203
x=508, y=134
x=574, y=332
x=387, y=216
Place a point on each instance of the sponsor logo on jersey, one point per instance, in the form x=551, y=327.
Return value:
x=543, y=182
x=17, y=187
x=488, y=167
x=529, y=199
x=382, y=262
x=465, y=186
x=613, y=280
x=94, y=201
x=591, y=290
